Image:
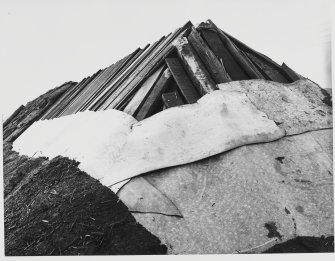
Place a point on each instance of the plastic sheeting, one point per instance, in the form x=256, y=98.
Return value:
x=112, y=146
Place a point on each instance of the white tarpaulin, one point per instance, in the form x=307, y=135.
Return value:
x=112, y=146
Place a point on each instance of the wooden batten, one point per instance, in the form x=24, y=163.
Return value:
x=154, y=97
x=219, y=49
x=172, y=99
x=73, y=96
x=120, y=77
x=196, y=70
x=292, y=74
x=266, y=59
x=145, y=71
x=127, y=76
x=79, y=99
x=247, y=66
x=12, y=117
x=215, y=68
x=185, y=86
x=61, y=103
x=272, y=73
x=118, y=66
x=141, y=95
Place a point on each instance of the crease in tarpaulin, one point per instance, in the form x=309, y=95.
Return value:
x=112, y=146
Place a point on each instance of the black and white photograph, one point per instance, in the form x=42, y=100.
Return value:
x=197, y=129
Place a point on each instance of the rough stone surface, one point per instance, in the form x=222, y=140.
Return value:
x=297, y=107
x=249, y=198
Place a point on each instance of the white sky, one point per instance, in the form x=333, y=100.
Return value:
x=46, y=43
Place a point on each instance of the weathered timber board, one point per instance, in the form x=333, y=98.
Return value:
x=233, y=68
x=154, y=97
x=140, y=96
x=269, y=70
x=185, y=85
x=259, y=55
x=172, y=99
x=72, y=108
x=211, y=62
x=93, y=87
x=293, y=75
x=121, y=92
x=119, y=83
x=150, y=65
x=112, y=74
x=63, y=101
x=121, y=76
x=238, y=55
x=195, y=68
x=73, y=96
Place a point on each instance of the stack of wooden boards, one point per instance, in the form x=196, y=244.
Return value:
x=177, y=69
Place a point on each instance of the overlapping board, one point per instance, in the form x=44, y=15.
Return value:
x=177, y=69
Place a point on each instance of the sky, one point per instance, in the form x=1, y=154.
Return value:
x=46, y=43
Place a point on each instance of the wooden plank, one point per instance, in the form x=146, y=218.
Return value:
x=248, y=67
x=119, y=65
x=172, y=99
x=117, y=98
x=185, y=85
x=154, y=97
x=115, y=84
x=232, y=67
x=259, y=55
x=292, y=74
x=75, y=105
x=14, y=114
x=260, y=69
x=271, y=72
x=61, y=102
x=211, y=62
x=66, y=102
x=94, y=87
x=145, y=70
x=196, y=70
x=119, y=78
x=140, y=96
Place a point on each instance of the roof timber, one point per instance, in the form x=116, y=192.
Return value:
x=185, y=85
x=178, y=68
x=197, y=71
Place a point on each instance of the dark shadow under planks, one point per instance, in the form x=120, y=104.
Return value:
x=185, y=85
x=172, y=99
